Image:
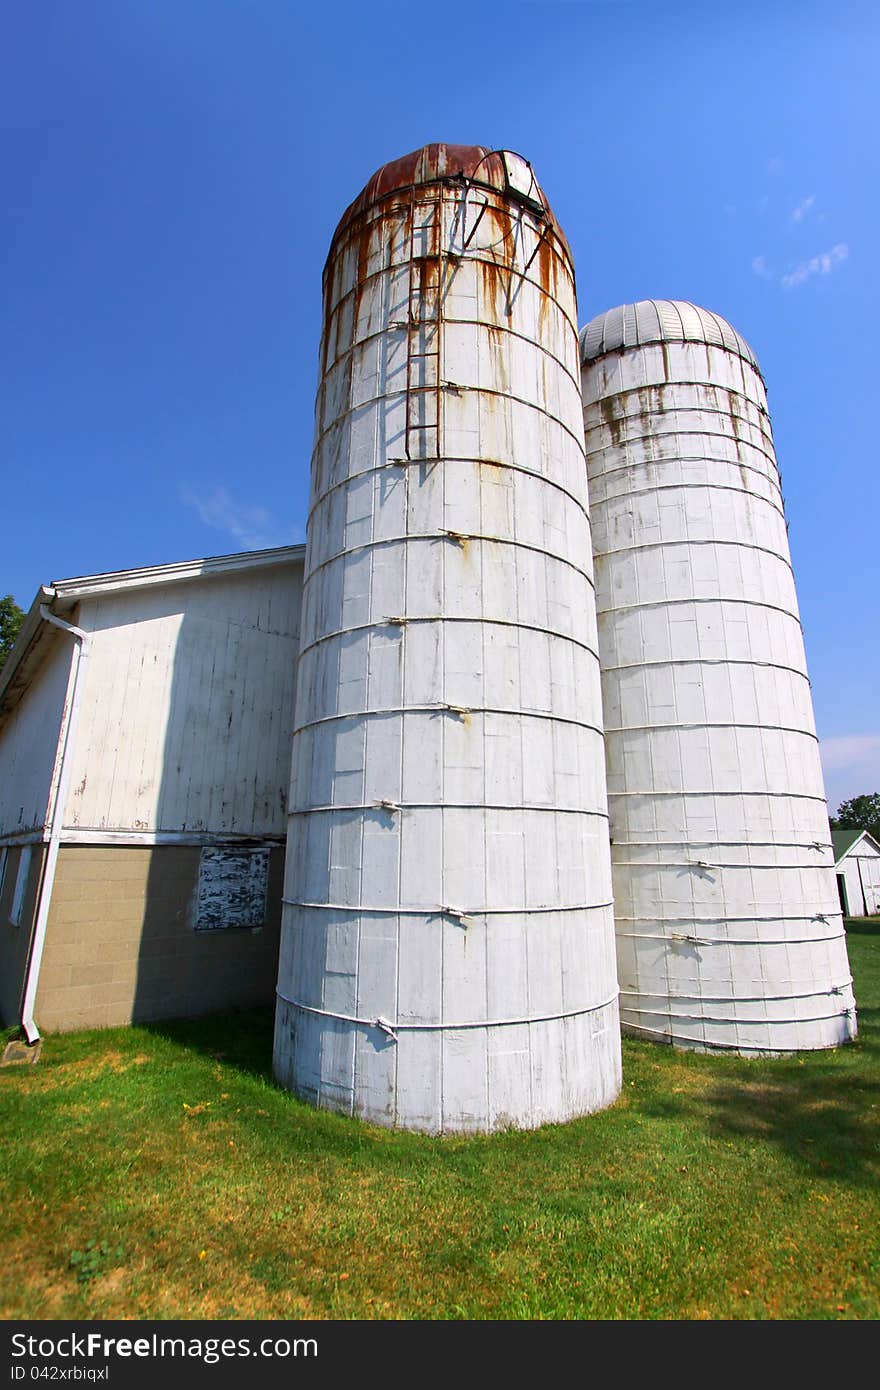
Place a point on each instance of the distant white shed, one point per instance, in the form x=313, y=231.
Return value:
x=857, y=866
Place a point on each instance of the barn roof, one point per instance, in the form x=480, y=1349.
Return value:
x=847, y=838
x=62, y=596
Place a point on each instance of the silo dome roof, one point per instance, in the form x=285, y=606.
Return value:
x=660, y=321
x=502, y=170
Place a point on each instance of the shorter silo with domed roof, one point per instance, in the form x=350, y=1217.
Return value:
x=728, y=925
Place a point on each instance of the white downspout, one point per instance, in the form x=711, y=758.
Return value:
x=56, y=816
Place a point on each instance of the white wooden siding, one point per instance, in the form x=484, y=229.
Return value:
x=188, y=707
x=28, y=745
x=861, y=868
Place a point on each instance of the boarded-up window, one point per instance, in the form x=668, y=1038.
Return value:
x=232, y=889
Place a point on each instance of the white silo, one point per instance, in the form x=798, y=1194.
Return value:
x=447, y=957
x=729, y=932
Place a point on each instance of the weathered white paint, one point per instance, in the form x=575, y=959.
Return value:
x=728, y=925
x=187, y=708
x=861, y=869
x=29, y=746
x=447, y=957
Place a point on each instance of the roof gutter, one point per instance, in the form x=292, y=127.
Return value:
x=56, y=812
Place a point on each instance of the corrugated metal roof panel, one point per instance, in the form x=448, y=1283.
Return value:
x=660, y=321
x=640, y=323
x=668, y=319
x=614, y=326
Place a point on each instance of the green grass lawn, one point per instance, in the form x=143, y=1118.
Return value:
x=158, y=1173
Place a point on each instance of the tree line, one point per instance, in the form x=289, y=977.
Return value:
x=11, y=619
x=859, y=813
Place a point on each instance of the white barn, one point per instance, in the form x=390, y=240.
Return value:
x=145, y=731
x=857, y=866
x=145, y=724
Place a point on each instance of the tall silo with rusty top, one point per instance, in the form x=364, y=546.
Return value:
x=729, y=932
x=447, y=956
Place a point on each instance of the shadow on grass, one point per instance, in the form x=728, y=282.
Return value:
x=241, y=1039
x=820, y=1110
x=822, y=1120
x=862, y=926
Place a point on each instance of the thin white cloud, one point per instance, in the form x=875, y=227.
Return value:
x=849, y=751
x=761, y=268
x=799, y=213
x=851, y=764
x=254, y=528
x=823, y=264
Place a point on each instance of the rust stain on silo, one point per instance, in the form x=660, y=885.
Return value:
x=615, y=425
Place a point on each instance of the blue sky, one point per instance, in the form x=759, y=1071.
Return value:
x=172, y=173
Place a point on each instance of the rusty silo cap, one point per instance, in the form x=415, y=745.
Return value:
x=501, y=170
x=660, y=321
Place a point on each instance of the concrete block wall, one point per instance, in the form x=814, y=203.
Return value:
x=121, y=945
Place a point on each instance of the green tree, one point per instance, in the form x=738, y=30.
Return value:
x=859, y=813
x=11, y=619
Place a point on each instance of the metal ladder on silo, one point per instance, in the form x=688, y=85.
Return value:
x=417, y=320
